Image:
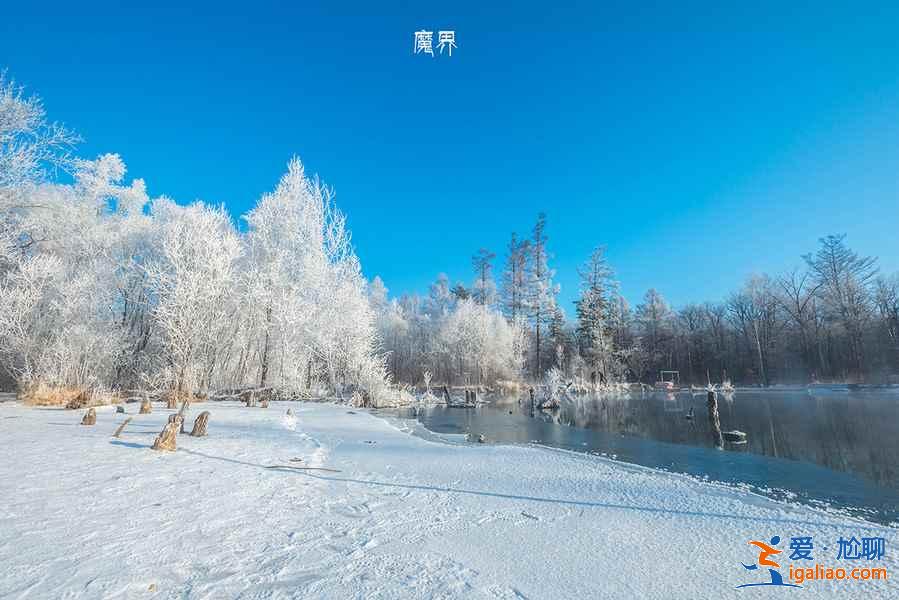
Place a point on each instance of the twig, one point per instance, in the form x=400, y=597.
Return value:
x=302, y=468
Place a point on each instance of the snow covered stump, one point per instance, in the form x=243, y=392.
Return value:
x=166, y=438
x=90, y=417
x=199, y=429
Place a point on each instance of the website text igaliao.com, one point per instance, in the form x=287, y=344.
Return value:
x=799, y=575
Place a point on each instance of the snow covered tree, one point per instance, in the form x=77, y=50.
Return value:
x=593, y=306
x=540, y=291
x=484, y=288
x=654, y=320
x=192, y=280
x=71, y=287
x=845, y=280
x=440, y=298
x=308, y=315
x=514, y=292
x=480, y=341
x=30, y=145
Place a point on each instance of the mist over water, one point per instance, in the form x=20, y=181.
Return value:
x=834, y=449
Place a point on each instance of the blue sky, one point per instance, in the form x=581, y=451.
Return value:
x=699, y=143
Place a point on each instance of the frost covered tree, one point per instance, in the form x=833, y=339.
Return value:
x=440, y=297
x=593, y=308
x=192, y=280
x=30, y=145
x=540, y=291
x=484, y=288
x=886, y=298
x=514, y=280
x=480, y=341
x=654, y=320
x=66, y=293
x=308, y=316
x=845, y=280
x=100, y=286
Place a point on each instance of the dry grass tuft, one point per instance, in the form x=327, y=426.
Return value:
x=74, y=398
x=173, y=399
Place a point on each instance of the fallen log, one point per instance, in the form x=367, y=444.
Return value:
x=302, y=468
x=119, y=429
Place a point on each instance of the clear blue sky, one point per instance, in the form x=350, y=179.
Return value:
x=699, y=143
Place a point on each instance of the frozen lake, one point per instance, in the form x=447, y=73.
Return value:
x=835, y=449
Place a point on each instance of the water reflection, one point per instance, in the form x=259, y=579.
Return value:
x=838, y=448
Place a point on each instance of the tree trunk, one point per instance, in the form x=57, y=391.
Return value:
x=714, y=421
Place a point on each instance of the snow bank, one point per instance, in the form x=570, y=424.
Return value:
x=84, y=515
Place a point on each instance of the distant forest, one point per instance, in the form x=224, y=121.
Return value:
x=836, y=319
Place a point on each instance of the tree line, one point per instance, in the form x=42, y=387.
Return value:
x=835, y=319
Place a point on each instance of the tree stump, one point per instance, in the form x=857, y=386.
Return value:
x=145, y=407
x=120, y=410
x=714, y=421
x=119, y=429
x=90, y=417
x=199, y=429
x=166, y=438
x=182, y=414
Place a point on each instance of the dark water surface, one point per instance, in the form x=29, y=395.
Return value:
x=837, y=449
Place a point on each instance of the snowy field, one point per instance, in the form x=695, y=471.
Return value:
x=84, y=515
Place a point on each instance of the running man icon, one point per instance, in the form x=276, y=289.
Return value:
x=766, y=551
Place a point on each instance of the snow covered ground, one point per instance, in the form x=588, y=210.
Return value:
x=84, y=515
